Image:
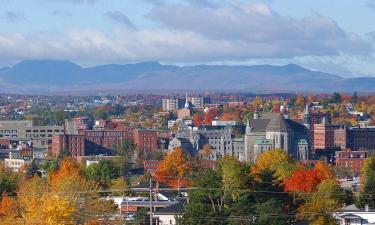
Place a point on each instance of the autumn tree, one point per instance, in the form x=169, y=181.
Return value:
x=233, y=176
x=280, y=164
x=174, y=169
x=257, y=103
x=197, y=120
x=9, y=209
x=306, y=180
x=300, y=102
x=206, y=151
x=320, y=205
x=71, y=186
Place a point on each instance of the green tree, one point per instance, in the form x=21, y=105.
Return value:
x=8, y=180
x=206, y=202
x=126, y=151
x=270, y=213
x=103, y=172
x=63, y=153
x=367, y=194
x=335, y=98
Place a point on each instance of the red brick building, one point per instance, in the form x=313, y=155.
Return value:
x=4, y=142
x=145, y=141
x=352, y=161
x=151, y=166
x=102, y=141
x=74, y=143
x=340, y=138
x=324, y=136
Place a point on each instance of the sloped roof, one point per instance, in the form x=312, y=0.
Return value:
x=295, y=125
x=259, y=125
x=278, y=124
x=171, y=210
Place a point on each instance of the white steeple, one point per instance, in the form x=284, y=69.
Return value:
x=248, y=127
x=186, y=101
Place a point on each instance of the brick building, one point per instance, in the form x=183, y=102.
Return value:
x=324, y=136
x=74, y=143
x=359, y=138
x=145, y=141
x=93, y=142
x=352, y=161
x=151, y=166
x=102, y=141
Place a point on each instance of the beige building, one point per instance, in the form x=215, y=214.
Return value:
x=16, y=162
x=24, y=130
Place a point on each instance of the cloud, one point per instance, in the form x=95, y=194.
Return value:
x=257, y=25
x=13, y=17
x=192, y=34
x=119, y=17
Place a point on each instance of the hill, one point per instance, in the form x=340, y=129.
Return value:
x=43, y=76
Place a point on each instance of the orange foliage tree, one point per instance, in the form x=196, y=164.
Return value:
x=306, y=180
x=173, y=169
x=8, y=208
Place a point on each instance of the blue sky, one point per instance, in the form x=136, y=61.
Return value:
x=336, y=36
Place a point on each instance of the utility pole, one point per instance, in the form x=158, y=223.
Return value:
x=151, y=201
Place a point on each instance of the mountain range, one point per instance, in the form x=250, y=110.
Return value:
x=51, y=76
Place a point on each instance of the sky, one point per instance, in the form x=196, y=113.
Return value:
x=336, y=36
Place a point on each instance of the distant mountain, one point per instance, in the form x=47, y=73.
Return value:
x=43, y=76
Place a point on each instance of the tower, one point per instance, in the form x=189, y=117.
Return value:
x=307, y=117
x=186, y=101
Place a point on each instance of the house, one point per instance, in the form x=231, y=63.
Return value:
x=351, y=215
x=167, y=215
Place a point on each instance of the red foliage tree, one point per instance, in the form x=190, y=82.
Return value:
x=197, y=120
x=306, y=180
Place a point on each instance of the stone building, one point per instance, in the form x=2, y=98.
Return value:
x=263, y=133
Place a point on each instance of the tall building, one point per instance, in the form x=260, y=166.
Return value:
x=74, y=143
x=324, y=135
x=198, y=101
x=24, y=130
x=145, y=141
x=172, y=104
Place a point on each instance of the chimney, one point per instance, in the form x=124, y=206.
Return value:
x=367, y=208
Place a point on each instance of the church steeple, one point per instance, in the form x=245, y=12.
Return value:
x=248, y=127
x=186, y=101
x=307, y=117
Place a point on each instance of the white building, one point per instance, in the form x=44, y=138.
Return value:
x=351, y=215
x=167, y=215
x=16, y=162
